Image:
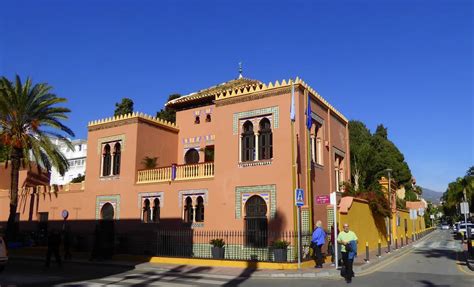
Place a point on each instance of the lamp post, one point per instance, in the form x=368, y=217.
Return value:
x=389, y=170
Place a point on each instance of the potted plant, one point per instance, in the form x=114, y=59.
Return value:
x=217, y=248
x=279, y=250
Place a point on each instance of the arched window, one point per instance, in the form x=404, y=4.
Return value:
x=256, y=227
x=146, y=211
x=156, y=210
x=188, y=210
x=117, y=153
x=197, y=120
x=265, y=140
x=200, y=209
x=191, y=156
x=106, y=161
x=208, y=118
x=107, y=212
x=248, y=142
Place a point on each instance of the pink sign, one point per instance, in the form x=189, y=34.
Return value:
x=322, y=199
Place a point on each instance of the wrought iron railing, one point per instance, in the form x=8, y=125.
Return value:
x=239, y=245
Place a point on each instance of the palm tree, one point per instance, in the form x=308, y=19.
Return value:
x=28, y=120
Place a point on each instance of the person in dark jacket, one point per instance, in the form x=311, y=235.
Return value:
x=54, y=241
x=317, y=241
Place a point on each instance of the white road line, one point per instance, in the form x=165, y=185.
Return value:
x=204, y=281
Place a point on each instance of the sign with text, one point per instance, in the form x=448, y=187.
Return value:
x=299, y=197
x=322, y=199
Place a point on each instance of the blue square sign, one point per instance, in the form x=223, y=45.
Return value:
x=299, y=197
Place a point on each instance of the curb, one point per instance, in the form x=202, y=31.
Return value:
x=469, y=264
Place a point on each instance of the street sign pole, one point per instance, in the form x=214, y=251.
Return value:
x=333, y=200
x=298, y=214
x=299, y=201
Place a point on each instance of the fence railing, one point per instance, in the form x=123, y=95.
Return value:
x=239, y=245
x=177, y=172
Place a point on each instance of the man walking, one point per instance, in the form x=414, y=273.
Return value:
x=348, y=241
x=54, y=241
x=317, y=241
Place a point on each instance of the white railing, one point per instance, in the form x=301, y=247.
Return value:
x=181, y=172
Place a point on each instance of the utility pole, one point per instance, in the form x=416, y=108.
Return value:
x=389, y=170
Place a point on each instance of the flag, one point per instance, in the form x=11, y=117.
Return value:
x=309, y=120
x=292, y=107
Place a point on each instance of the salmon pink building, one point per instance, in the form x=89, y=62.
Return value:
x=231, y=162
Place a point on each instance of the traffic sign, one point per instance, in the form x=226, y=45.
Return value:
x=464, y=207
x=299, y=197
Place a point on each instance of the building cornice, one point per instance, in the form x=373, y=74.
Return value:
x=131, y=119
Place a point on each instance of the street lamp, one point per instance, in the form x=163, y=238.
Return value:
x=389, y=170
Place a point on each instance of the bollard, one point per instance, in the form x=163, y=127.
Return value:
x=379, y=253
x=388, y=244
x=367, y=252
x=396, y=243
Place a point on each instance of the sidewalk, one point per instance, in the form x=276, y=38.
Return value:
x=140, y=262
x=469, y=259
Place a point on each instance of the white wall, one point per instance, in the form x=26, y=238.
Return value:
x=76, y=159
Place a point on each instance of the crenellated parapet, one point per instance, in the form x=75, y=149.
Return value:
x=134, y=116
x=262, y=87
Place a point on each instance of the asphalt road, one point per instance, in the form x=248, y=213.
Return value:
x=431, y=262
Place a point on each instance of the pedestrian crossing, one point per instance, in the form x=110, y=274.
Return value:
x=158, y=278
x=440, y=245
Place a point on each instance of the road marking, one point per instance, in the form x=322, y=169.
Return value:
x=376, y=268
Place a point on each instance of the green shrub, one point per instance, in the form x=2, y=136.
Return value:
x=218, y=242
x=280, y=244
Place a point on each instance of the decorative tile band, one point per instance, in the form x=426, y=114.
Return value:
x=103, y=199
x=192, y=193
x=275, y=111
x=159, y=195
x=121, y=138
x=242, y=193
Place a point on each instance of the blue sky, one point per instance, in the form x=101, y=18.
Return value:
x=405, y=64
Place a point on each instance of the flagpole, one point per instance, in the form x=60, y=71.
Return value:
x=308, y=161
x=293, y=157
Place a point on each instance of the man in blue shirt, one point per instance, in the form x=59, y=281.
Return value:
x=317, y=241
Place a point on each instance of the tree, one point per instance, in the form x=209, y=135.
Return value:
x=361, y=153
x=3, y=153
x=455, y=194
x=29, y=116
x=168, y=114
x=124, y=107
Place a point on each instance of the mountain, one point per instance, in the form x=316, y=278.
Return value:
x=431, y=195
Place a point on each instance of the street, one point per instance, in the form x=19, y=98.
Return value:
x=430, y=262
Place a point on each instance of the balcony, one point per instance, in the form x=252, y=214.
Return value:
x=177, y=173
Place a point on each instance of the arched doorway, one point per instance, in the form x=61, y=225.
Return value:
x=107, y=212
x=256, y=223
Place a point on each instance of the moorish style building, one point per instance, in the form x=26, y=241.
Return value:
x=231, y=162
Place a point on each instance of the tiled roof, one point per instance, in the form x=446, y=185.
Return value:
x=211, y=92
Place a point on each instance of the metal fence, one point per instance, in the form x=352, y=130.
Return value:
x=239, y=245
